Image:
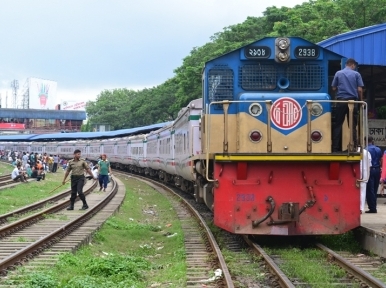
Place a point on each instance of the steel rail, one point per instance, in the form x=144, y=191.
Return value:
x=352, y=269
x=226, y=275
x=22, y=223
x=5, y=177
x=33, y=206
x=23, y=255
x=282, y=278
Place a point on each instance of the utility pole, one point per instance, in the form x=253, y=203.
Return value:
x=15, y=87
x=25, y=96
x=6, y=99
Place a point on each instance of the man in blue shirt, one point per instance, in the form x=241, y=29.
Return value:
x=375, y=175
x=348, y=84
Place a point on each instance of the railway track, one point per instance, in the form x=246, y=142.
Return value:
x=13, y=215
x=356, y=274
x=6, y=180
x=355, y=269
x=203, y=255
x=26, y=241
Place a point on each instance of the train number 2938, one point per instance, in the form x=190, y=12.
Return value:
x=245, y=197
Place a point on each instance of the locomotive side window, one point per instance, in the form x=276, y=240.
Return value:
x=220, y=83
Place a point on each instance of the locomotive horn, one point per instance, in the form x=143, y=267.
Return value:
x=283, y=83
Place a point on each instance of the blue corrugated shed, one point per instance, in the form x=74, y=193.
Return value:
x=43, y=114
x=18, y=137
x=366, y=45
x=95, y=135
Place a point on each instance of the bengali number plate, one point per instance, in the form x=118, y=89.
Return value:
x=307, y=52
x=257, y=52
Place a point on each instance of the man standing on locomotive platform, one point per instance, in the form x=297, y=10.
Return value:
x=375, y=175
x=348, y=84
x=77, y=166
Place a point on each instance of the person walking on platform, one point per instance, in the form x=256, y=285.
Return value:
x=348, y=83
x=104, y=170
x=375, y=175
x=77, y=167
x=365, y=166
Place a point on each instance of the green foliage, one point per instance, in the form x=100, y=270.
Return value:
x=381, y=112
x=40, y=280
x=342, y=242
x=127, y=226
x=117, y=267
x=314, y=20
x=86, y=127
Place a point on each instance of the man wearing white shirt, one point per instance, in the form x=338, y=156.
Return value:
x=365, y=165
x=17, y=174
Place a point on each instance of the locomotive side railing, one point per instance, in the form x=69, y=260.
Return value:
x=362, y=126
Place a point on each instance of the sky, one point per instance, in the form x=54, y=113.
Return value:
x=88, y=46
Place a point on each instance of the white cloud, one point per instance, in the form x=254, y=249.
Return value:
x=88, y=46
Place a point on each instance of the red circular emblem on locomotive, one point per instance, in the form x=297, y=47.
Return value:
x=286, y=113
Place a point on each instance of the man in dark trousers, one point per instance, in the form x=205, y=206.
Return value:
x=348, y=84
x=375, y=175
x=77, y=167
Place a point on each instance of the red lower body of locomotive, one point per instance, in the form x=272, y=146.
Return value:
x=286, y=198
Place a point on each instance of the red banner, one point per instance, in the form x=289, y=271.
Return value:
x=12, y=126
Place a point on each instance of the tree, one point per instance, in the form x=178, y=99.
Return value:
x=314, y=20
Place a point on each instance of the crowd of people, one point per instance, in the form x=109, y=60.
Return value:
x=35, y=165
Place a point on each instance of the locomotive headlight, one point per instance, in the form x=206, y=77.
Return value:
x=283, y=43
x=282, y=50
x=316, y=109
x=255, y=109
x=282, y=56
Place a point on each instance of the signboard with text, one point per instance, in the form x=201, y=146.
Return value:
x=12, y=126
x=377, y=129
x=73, y=105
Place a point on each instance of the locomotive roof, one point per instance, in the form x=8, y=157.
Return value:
x=257, y=42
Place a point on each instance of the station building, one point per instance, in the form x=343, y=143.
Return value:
x=40, y=121
x=367, y=46
x=36, y=110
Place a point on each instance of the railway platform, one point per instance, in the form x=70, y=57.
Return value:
x=372, y=233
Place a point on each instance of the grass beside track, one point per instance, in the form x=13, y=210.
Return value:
x=27, y=193
x=132, y=249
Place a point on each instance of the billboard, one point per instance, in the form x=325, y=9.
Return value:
x=42, y=93
x=73, y=105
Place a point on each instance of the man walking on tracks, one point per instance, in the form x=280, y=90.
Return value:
x=375, y=175
x=77, y=167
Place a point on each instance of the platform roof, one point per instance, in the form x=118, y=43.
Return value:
x=43, y=114
x=365, y=45
x=82, y=135
x=18, y=137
